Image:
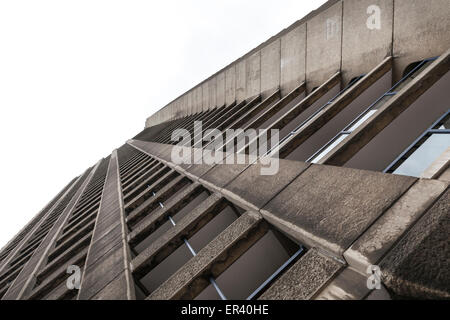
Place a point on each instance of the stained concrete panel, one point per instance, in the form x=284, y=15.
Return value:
x=270, y=67
x=230, y=85
x=190, y=102
x=293, y=59
x=421, y=31
x=212, y=97
x=253, y=190
x=198, y=101
x=253, y=75
x=220, y=90
x=241, y=85
x=419, y=266
x=382, y=235
x=304, y=279
x=367, y=38
x=323, y=48
x=329, y=207
x=205, y=100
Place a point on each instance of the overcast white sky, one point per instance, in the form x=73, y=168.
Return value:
x=79, y=78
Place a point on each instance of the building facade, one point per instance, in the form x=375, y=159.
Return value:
x=357, y=95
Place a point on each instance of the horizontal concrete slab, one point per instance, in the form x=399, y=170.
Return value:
x=304, y=279
x=329, y=207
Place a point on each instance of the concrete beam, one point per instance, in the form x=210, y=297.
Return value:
x=323, y=49
x=304, y=279
x=293, y=59
x=388, y=112
x=270, y=67
x=421, y=31
x=213, y=260
x=365, y=42
x=107, y=263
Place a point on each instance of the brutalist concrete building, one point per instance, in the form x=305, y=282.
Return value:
x=360, y=93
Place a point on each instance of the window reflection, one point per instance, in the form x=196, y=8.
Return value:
x=425, y=155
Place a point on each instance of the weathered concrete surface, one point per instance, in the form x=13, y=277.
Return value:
x=230, y=85
x=270, y=67
x=363, y=47
x=329, y=207
x=438, y=167
x=107, y=263
x=220, y=93
x=198, y=99
x=293, y=59
x=223, y=174
x=419, y=266
x=253, y=190
x=323, y=51
x=241, y=80
x=348, y=285
x=205, y=96
x=22, y=285
x=370, y=248
x=253, y=75
x=216, y=257
x=445, y=176
x=421, y=31
x=304, y=279
x=212, y=87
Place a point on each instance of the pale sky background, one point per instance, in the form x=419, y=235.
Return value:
x=79, y=78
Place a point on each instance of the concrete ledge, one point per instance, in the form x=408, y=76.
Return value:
x=348, y=285
x=419, y=266
x=304, y=279
x=330, y=207
x=382, y=235
x=215, y=258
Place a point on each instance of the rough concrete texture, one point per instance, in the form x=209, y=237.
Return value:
x=329, y=207
x=445, y=176
x=216, y=257
x=323, y=51
x=105, y=263
x=348, y=285
x=212, y=87
x=293, y=59
x=223, y=174
x=419, y=266
x=230, y=85
x=384, y=233
x=205, y=96
x=220, y=98
x=270, y=67
x=359, y=59
x=304, y=279
x=241, y=81
x=421, y=31
x=253, y=75
x=253, y=190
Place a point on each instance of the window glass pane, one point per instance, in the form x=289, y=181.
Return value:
x=329, y=148
x=424, y=156
x=362, y=120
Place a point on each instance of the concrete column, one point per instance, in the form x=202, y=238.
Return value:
x=107, y=275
